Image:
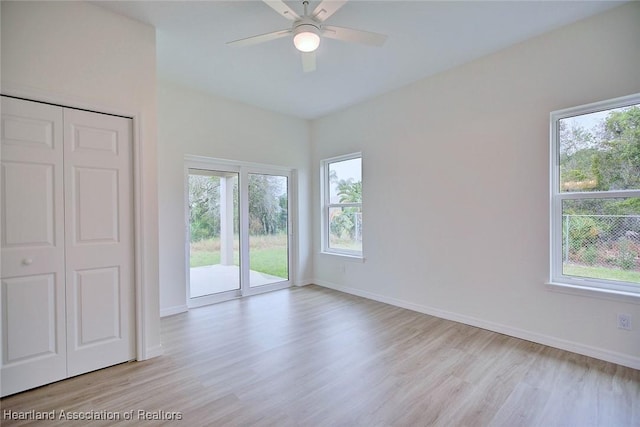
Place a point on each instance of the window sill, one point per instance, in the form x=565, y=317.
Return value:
x=346, y=257
x=586, y=291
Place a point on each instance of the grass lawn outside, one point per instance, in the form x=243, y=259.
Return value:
x=202, y=258
x=271, y=261
x=267, y=254
x=601, y=273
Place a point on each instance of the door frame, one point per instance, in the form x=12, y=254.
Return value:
x=243, y=169
x=142, y=284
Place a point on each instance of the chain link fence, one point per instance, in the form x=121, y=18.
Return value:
x=611, y=241
x=358, y=224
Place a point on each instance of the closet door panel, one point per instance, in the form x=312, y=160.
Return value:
x=97, y=294
x=96, y=218
x=30, y=317
x=32, y=298
x=99, y=242
x=28, y=221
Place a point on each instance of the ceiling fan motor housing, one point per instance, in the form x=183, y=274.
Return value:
x=306, y=35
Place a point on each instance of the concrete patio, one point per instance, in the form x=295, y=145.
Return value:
x=212, y=279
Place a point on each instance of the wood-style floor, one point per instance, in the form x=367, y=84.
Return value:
x=315, y=357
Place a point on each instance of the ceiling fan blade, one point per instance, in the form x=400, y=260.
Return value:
x=355, y=36
x=284, y=10
x=308, y=61
x=327, y=8
x=259, y=39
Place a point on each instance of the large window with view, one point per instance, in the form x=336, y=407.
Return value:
x=342, y=205
x=595, y=207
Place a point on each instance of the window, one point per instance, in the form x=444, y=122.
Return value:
x=342, y=205
x=595, y=192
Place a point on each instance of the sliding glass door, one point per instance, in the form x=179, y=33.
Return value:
x=238, y=230
x=214, y=227
x=268, y=229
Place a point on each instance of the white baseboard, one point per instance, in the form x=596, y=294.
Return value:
x=170, y=311
x=574, y=347
x=304, y=282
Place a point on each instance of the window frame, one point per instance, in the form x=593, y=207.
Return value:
x=327, y=205
x=556, y=275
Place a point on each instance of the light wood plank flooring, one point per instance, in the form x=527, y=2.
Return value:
x=315, y=357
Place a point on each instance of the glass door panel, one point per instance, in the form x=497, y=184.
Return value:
x=268, y=229
x=214, y=225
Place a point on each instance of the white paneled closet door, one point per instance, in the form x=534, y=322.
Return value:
x=33, y=272
x=99, y=240
x=67, y=243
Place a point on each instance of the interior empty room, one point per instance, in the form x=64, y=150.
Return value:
x=319, y=213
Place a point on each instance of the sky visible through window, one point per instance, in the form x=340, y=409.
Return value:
x=591, y=121
x=344, y=170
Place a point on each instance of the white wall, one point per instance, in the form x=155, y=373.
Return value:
x=192, y=122
x=78, y=54
x=456, y=187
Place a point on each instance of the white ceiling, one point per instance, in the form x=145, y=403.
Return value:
x=425, y=37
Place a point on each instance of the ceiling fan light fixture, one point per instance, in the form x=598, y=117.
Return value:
x=306, y=37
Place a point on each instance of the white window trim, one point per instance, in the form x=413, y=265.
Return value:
x=601, y=288
x=326, y=205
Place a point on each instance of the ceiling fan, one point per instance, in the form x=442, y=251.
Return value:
x=309, y=28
